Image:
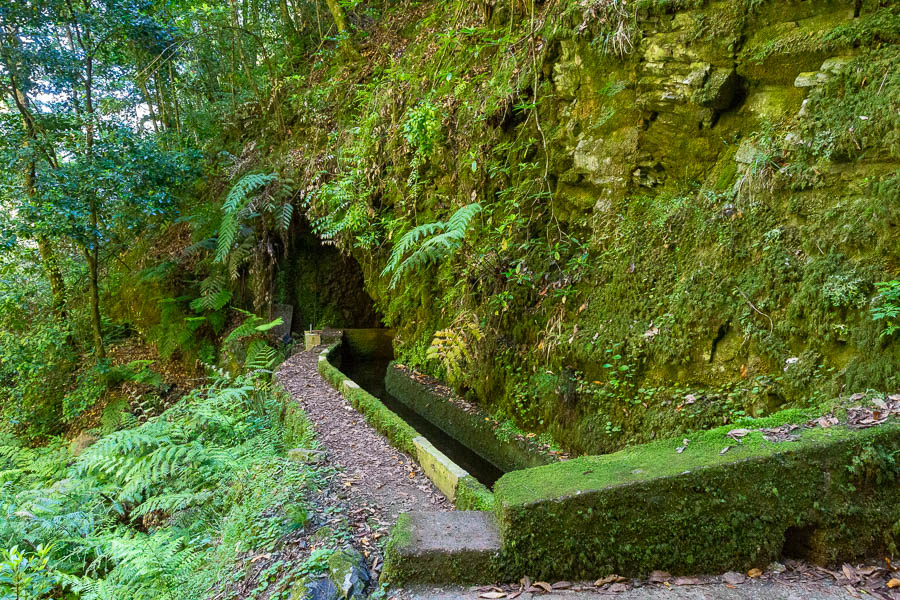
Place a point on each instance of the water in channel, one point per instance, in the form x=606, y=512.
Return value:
x=369, y=374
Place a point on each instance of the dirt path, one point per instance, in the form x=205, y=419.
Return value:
x=748, y=591
x=372, y=471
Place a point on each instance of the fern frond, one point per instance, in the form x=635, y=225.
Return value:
x=459, y=222
x=260, y=356
x=245, y=186
x=171, y=503
x=237, y=200
x=446, y=238
x=284, y=216
x=214, y=294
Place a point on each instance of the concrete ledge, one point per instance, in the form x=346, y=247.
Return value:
x=829, y=496
x=441, y=470
x=442, y=547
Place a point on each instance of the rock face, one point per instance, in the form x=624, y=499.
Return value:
x=315, y=589
x=347, y=579
x=688, y=211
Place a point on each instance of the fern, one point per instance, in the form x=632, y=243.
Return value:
x=214, y=294
x=154, y=512
x=253, y=325
x=260, y=356
x=443, y=239
x=285, y=215
x=454, y=347
x=235, y=204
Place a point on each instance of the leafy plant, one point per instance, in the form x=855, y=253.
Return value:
x=239, y=205
x=429, y=243
x=423, y=127
x=887, y=306
x=26, y=575
x=454, y=347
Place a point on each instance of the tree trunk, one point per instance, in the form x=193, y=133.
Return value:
x=337, y=14
x=91, y=254
x=142, y=85
x=48, y=254
x=92, y=251
x=54, y=276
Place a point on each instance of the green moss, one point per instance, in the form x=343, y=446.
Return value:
x=471, y=494
x=385, y=421
x=327, y=370
x=650, y=507
x=398, y=431
x=401, y=535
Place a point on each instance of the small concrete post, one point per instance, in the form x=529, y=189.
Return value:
x=312, y=339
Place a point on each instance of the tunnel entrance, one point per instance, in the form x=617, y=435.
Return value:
x=324, y=286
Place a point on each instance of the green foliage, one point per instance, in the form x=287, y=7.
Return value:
x=133, y=515
x=887, y=306
x=455, y=348
x=851, y=114
x=25, y=575
x=429, y=243
x=214, y=294
x=239, y=205
x=422, y=127
x=36, y=359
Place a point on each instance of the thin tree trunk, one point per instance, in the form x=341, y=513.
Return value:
x=92, y=250
x=48, y=255
x=289, y=25
x=92, y=256
x=337, y=13
x=142, y=84
x=174, y=92
x=54, y=276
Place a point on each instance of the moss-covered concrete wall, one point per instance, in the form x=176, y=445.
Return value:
x=472, y=429
x=828, y=497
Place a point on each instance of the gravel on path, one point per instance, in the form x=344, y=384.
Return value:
x=370, y=468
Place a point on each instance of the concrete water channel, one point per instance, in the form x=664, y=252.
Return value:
x=720, y=505
x=370, y=372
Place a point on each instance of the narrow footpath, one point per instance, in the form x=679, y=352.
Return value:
x=372, y=471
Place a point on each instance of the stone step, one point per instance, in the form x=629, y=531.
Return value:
x=443, y=547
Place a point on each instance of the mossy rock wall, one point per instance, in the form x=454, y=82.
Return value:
x=676, y=231
x=324, y=286
x=829, y=497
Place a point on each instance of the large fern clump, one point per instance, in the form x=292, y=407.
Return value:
x=441, y=239
x=160, y=510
